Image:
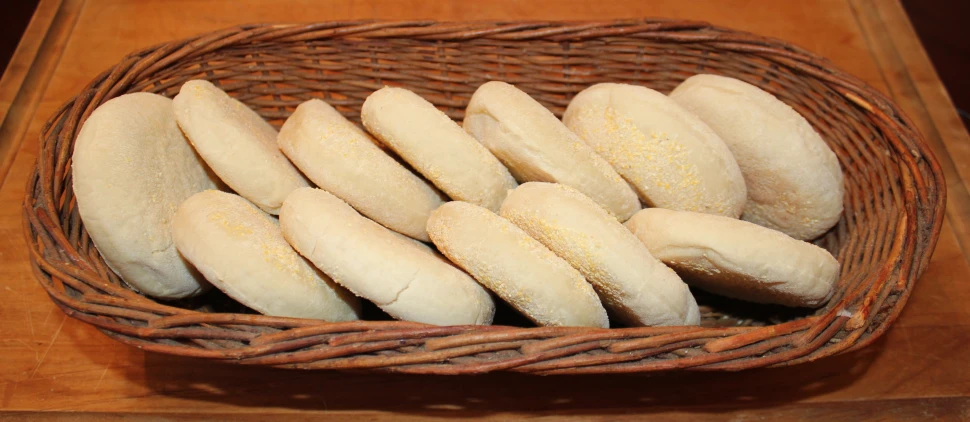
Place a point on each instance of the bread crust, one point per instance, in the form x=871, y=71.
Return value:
x=737, y=258
x=536, y=146
x=794, y=180
x=669, y=156
x=131, y=169
x=343, y=160
x=436, y=147
x=237, y=144
x=635, y=287
x=404, y=280
x=240, y=250
x=516, y=267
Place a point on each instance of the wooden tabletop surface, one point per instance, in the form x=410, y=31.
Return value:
x=55, y=367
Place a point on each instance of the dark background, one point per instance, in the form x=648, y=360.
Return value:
x=14, y=17
x=941, y=25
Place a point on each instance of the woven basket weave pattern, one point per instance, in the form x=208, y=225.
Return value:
x=893, y=201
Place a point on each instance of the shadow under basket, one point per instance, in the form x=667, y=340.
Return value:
x=894, y=192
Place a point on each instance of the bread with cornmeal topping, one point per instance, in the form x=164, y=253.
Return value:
x=669, y=156
x=635, y=287
x=794, y=180
x=537, y=147
x=436, y=147
x=241, y=251
x=523, y=272
x=736, y=258
x=342, y=159
x=400, y=277
x=237, y=144
x=131, y=169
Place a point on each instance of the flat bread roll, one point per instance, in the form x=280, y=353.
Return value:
x=635, y=287
x=237, y=144
x=132, y=168
x=794, y=179
x=536, y=146
x=400, y=277
x=343, y=160
x=503, y=258
x=669, y=156
x=736, y=258
x=241, y=251
x=436, y=147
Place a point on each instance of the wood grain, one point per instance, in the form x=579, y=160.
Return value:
x=936, y=409
x=53, y=363
x=894, y=45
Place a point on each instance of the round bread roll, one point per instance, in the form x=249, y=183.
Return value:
x=436, y=147
x=132, y=168
x=400, y=277
x=343, y=160
x=237, y=144
x=669, y=156
x=241, y=251
x=516, y=267
x=794, y=180
x=736, y=258
x=634, y=286
x=536, y=146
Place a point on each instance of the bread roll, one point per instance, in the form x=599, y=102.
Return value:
x=794, y=180
x=237, y=143
x=634, y=286
x=736, y=258
x=436, y=147
x=536, y=146
x=241, y=251
x=132, y=168
x=516, y=267
x=400, y=277
x=342, y=159
x=669, y=156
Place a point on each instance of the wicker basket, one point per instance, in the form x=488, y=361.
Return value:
x=893, y=202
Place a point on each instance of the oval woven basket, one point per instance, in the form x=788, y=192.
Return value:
x=893, y=201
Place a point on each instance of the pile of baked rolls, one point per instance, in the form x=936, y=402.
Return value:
x=605, y=216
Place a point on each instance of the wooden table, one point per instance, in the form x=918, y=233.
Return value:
x=50, y=363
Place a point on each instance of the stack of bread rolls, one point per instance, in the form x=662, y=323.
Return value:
x=434, y=222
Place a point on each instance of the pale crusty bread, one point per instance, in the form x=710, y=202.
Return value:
x=519, y=269
x=436, y=147
x=237, y=144
x=343, y=160
x=241, y=251
x=400, y=277
x=132, y=168
x=536, y=146
x=669, y=156
x=736, y=258
x=794, y=179
x=634, y=286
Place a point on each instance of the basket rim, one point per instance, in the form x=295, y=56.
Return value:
x=56, y=264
